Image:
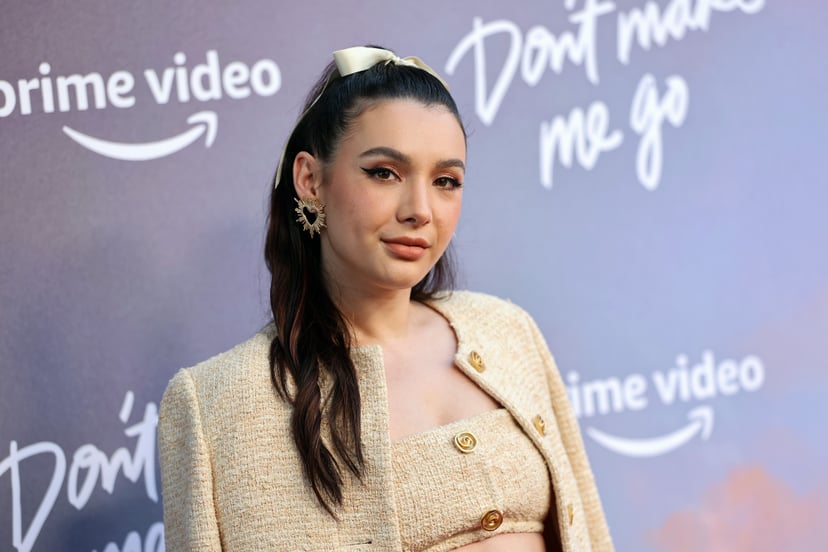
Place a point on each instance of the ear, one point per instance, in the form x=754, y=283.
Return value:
x=307, y=175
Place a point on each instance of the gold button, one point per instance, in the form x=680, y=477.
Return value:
x=540, y=425
x=491, y=520
x=571, y=511
x=477, y=361
x=465, y=441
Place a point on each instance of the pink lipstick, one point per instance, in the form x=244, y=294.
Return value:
x=407, y=249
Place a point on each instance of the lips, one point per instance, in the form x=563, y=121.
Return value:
x=409, y=249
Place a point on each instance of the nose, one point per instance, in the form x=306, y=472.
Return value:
x=415, y=203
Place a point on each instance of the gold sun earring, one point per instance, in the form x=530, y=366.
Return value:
x=311, y=214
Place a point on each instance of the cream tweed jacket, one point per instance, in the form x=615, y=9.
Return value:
x=231, y=475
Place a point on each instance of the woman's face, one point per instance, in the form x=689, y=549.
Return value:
x=392, y=196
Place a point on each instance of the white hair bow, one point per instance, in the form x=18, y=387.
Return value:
x=360, y=58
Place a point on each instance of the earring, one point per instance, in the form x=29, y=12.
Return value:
x=311, y=214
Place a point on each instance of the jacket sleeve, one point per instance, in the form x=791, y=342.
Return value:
x=599, y=535
x=190, y=522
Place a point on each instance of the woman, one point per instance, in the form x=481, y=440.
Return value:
x=377, y=412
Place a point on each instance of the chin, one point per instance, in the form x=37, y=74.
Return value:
x=405, y=281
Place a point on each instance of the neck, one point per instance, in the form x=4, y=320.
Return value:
x=376, y=318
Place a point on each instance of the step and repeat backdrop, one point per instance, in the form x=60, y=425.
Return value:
x=646, y=178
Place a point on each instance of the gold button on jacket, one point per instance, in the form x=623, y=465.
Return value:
x=465, y=441
x=540, y=425
x=477, y=361
x=491, y=520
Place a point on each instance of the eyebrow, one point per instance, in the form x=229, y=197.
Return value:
x=403, y=158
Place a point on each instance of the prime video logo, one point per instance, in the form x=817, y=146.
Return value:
x=203, y=82
x=705, y=381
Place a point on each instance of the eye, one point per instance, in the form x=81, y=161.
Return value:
x=380, y=173
x=448, y=182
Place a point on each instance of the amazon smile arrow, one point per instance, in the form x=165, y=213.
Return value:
x=701, y=421
x=203, y=122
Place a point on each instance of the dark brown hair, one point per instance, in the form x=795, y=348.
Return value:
x=312, y=338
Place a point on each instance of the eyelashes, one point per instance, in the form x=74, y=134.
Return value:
x=448, y=182
x=386, y=174
x=380, y=173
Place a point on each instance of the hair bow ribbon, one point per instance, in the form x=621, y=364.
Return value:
x=360, y=58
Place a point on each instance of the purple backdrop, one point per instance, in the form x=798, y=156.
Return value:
x=645, y=179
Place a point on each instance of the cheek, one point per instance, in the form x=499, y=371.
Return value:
x=450, y=215
x=342, y=208
x=343, y=221
x=369, y=210
x=353, y=223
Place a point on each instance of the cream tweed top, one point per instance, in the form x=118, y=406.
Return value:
x=487, y=460
x=232, y=479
